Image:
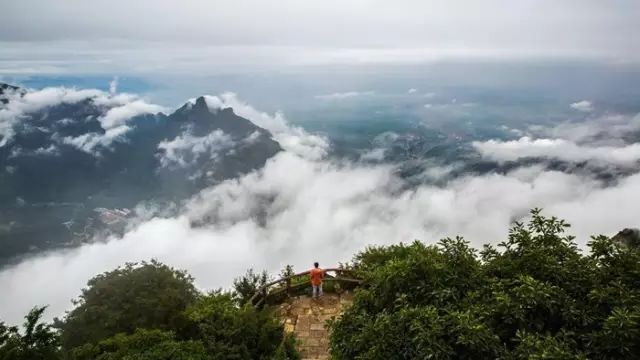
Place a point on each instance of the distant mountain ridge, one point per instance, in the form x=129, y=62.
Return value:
x=55, y=172
x=5, y=88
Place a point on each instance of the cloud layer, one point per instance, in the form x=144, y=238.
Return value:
x=116, y=110
x=584, y=106
x=304, y=207
x=185, y=149
x=291, y=138
x=525, y=147
x=609, y=139
x=343, y=95
x=584, y=28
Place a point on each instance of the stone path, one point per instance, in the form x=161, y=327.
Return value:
x=306, y=318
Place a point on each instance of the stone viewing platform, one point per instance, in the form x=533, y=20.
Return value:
x=306, y=318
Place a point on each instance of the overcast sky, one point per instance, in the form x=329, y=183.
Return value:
x=289, y=32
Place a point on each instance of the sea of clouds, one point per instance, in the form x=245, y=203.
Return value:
x=306, y=206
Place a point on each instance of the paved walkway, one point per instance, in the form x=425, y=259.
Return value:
x=306, y=318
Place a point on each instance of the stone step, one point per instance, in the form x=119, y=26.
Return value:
x=306, y=318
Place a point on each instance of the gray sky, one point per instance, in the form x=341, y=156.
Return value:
x=40, y=35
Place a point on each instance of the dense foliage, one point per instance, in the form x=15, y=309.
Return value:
x=536, y=296
x=146, y=296
x=248, y=284
x=141, y=345
x=231, y=332
x=151, y=311
x=37, y=342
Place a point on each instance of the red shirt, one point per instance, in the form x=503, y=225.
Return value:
x=316, y=276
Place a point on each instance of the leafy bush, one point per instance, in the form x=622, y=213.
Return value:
x=287, y=349
x=247, y=285
x=232, y=332
x=38, y=342
x=141, y=345
x=536, y=296
x=146, y=296
x=152, y=311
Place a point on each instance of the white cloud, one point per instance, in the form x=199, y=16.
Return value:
x=37, y=100
x=583, y=106
x=50, y=150
x=90, y=141
x=321, y=211
x=376, y=154
x=291, y=138
x=41, y=151
x=118, y=109
x=438, y=173
x=526, y=147
x=412, y=91
x=114, y=100
x=608, y=129
x=252, y=137
x=118, y=116
x=113, y=86
x=21, y=104
x=343, y=95
x=66, y=121
x=185, y=149
x=386, y=139
x=302, y=208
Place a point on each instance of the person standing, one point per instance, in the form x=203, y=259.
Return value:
x=316, y=274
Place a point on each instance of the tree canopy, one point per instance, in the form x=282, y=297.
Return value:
x=149, y=295
x=534, y=296
x=152, y=311
x=38, y=341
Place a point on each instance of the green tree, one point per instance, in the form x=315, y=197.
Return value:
x=535, y=296
x=37, y=342
x=247, y=285
x=141, y=345
x=151, y=311
x=229, y=331
x=149, y=295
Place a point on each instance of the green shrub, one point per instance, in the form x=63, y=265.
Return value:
x=536, y=296
x=37, y=342
x=141, y=345
x=146, y=296
x=232, y=332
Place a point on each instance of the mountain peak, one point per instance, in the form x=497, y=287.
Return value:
x=4, y=88
x=198, y=106
x=176, y=156
x=202, y=120
x=201, y=103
